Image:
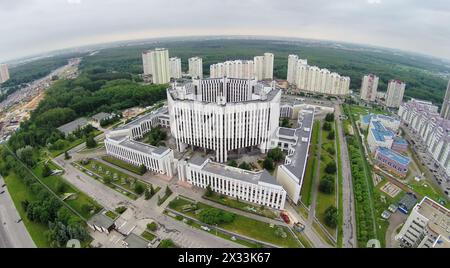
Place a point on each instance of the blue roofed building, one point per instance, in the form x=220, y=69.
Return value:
x=379, y=136
x=392, y=161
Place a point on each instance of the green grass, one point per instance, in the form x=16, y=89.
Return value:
x=149, y=236
x=243, y=225
x=324, y=200
x=340, y=186
x=234, y=203
x=79, y=201
x=19, y=193
x=425, y=188
x=111, y=214
x=122, y=164
x=311, y=166
x=322, y=234
x=164, y=198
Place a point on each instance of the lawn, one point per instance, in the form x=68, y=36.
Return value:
x=234, y=203
x=425, y=188
x=122, y=164
x=340, y=185
x=111, y=214
x=79, y=201
x=311, y=166
x=243, y=225
x=19, y=193
x=324, y=200
x=149, y=236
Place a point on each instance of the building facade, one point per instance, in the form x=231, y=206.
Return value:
x=196, y=67
x=4, y=73
x=223, y=114
x=445, y=110
x=394, y=94
x=255, y=187
x=392, y=161
x=175, y=68
x=264, y=66
x=315, y=80
x=369, y=87
x=428, y=226
x=156, y=63
x=240, y=69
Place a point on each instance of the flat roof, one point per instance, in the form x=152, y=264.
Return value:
x=197, y=160
x=143, y=147
x=74, y=125
x=101, y=220
x=391, y=154
x=135, y=241
x=148, y=116
x=240, y=174
x=286, y=131
x=438, y=216
x=298, y=159
x=101, y=116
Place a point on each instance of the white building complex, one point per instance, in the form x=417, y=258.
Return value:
x=264, y=66
x=4, y=73
x=369, y=87
x=394, y=94
x=196, y=67
x=260, y=68
x=175, y=68
x=256, y=187
x=121, y=143
x=316, y=80
x=445, y=110
x=224, y=114
x=424, y=121
x=296, y=142
x=428, y=226
x=156, y=64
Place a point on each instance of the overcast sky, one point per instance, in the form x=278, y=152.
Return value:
x=33, y=26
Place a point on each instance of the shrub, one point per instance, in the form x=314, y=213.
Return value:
x=152, y=226
x=215, y=216
x=331, y=168
x=331, y=218
x=327, y=185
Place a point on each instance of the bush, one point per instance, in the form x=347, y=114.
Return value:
x=138, y=188
x=152, y=226
x=331, y=218
x=326, y=126
x=232, y=163
x=331, y=168
x=46, y=171
x=268, y=164
x=276, y=154
x=90, y=142
x=120, y=209
x=215, y=216
x=330, y=135
x=245, y=165
x=327, y=185
x=329, y=117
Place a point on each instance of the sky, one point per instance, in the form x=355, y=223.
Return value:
x=29, y=27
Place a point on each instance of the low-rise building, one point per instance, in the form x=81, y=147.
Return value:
x=392, y=161
x=255, y=187
x=379, y=136
x=101, y=223
x=428, y=226
x=74, y=125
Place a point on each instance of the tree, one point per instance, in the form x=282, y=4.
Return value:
x=245, y=165
x=329, y=117
x=215, y=216
x=268, y=164
x=46, y=171
x=330, y=135
x=152, y=226
x=326, y=126
x=66, y=155
x=90, y=142
x=167, y=243
x=138, y=188
x=147, y=194
x=25, y=154
x=209, y=192
x=331, y=216
x=168, y=191
x=276, y=154
x=330, y=168
x=327, y=185
x=232, y=163
x=152, y=190
x=142, y=169
x=285, y=122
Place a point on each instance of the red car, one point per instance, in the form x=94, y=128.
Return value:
x=285, y=217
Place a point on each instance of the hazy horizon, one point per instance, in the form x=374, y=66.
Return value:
x=35, y=27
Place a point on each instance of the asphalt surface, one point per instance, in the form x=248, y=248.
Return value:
x=13, y=234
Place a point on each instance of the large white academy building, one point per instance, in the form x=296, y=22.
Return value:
x=260, y=68
x=121, y=143
x=256, y=187
x=223, y=114
x=316, y=80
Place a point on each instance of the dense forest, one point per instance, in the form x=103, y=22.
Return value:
x=422, y=75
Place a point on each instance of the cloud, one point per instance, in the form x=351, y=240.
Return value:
x=415, y=25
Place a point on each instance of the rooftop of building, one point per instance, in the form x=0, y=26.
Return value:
x=290, y=132
x=74, y=125
x=400, y=140
x=101, y=116
x=438, y=216
x=162, y=111
x=303, y=132
x=143, y=147
x=101, y=220
x=234, y=173
x=394, y=156
x=135, y=241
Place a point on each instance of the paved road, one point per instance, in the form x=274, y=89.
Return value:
x=349, y=223
x=179, y=232
x=12, y=234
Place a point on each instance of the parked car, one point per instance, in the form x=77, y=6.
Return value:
x=285, y=217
